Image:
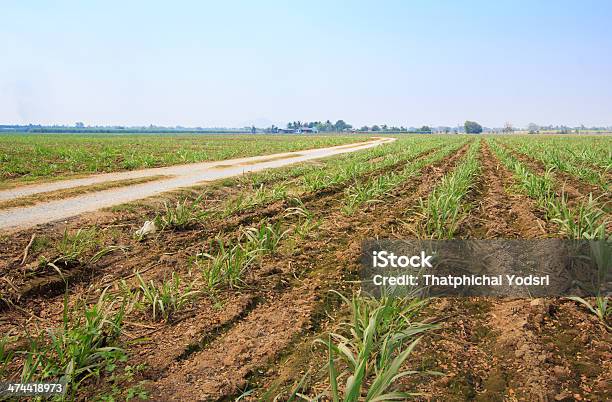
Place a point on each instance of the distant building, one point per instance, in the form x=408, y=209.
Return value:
x=301, y=130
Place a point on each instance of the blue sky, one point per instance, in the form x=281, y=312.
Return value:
x=231, y=63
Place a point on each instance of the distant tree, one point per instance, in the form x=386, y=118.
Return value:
x=508, y=127
x=425, y=129
x=253, y=129
x=384, y=127
x=402, y=128
x=364, y=128
x=79, y=124
x=533, y=128
x=328, y=126
x=290, y=126
x=341, y=125
x=471, y=127
x=375, y=128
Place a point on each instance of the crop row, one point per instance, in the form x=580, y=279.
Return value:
x=445, y=207
x=373, y=189
x=563, y=160
x=586, y=220
x=586, y=152
x=269, y=186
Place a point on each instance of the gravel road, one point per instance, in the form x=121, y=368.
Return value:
x=179, y=176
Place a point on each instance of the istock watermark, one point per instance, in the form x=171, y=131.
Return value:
x=503, y=268
x=384, y=259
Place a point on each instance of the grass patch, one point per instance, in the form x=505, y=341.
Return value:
x=84, y=346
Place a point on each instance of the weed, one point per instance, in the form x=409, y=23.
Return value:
x=226, y=267
x=77, y=248
x=234, y=205
x=264, y=238
x=306, y=218
x=6, y=355
x=72, y=248
x=305, y=227
x=165, y=299
x=83, y=347
x=180, y=216
x=119, y=391
x=40, y=243
x=298, y=208
x=365, y=192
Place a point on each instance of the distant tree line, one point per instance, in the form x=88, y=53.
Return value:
x=79, y=128
x=341, y=125
x=394, y=129
x=328, y=126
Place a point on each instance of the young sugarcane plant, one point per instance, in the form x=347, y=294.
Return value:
x=601, y=308
x=381, y=337
x=165, y=299
x=602, y=256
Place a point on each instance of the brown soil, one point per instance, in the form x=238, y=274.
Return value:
x=498, y=213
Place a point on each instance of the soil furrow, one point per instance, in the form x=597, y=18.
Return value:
x=497, y=213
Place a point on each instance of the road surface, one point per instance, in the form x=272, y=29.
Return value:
x=175, y=177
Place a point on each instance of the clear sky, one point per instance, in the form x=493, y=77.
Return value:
x=232, y=63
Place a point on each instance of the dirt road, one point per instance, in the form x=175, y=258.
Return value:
x=174, y=177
